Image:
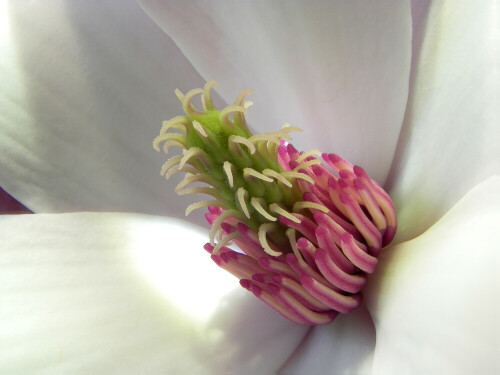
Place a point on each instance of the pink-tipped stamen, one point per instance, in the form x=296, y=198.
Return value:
x=339, y=278
x=297, y=309
x=329, y=297
x=325, y=241
x=356, y=255
x=357, y=216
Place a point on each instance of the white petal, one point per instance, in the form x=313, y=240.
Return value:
x=344, y=347
x=85, y=87
x=121, y=293
x=449, y=142
x=337, y=69
x=435, y=300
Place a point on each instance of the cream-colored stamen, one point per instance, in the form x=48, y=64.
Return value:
x=243, y=141
x=306, y=154
x=194, y=151
x=179, y=95
x=257, y=204
x=174, y=160
x=301, y=205
x=249, y=172
x=178, y=138
x=167, y=145
x=188, y=108
x=200, y=190
x=277, y=209
x=198, y=177
x=270, y=137
x=276, y=175
x=195, y=206
x=224, y=114
x=307, y=165
x=242, y=196
x=177, y=123
x=263, y=229
x=229, y=170
x=291, y=174
x=225, y=241
x=206, y=99
x=200, y=129
x=217, y=223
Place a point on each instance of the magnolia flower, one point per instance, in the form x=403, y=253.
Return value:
x=405, y=90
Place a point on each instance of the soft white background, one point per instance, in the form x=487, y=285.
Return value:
x=408, y=90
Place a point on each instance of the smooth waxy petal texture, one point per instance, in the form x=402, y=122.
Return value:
x=85, y=87
x=449, y=142
x=344, y=347
x=337, y=69
x=122, y=293
x=435, y=300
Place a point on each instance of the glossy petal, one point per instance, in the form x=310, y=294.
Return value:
x=85, y=87
x=449, y=141
x=121, y=293
x=344, y=347
x=337, y=69
x=435, y=300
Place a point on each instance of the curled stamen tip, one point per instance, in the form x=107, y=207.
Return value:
x=345, y=174
x=245, y=283
x=334, y=158
x=209, y=248
x=346, y=237
x=360, y=172
x=212, y=83
x=179, y=95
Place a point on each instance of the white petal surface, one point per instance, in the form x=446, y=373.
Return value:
x=337, y=69
x=344, y=347
x=85, y=87
x=449, y=142
x=435, y=300
x=118, y=293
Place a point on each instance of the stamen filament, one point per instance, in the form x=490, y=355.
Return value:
x=263, y=229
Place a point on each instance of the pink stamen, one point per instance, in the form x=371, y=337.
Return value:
x=215, y=210
x=336, y=162
x=291, y=304
x=325, y=241
x=371, y=205
x=306, y=226
x=344, y=187
x=356, y=255
x=271, y=265
x=269, y=300
x=334, y=192
x=329, y=297
x=293, y=287
x=300, y=292
x=211, y=218
x=384, y=202
x=339, y=278
x=307, y=250
x=302, y=268
x=356, y=215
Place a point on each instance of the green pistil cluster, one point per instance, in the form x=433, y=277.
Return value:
x=241, y=169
